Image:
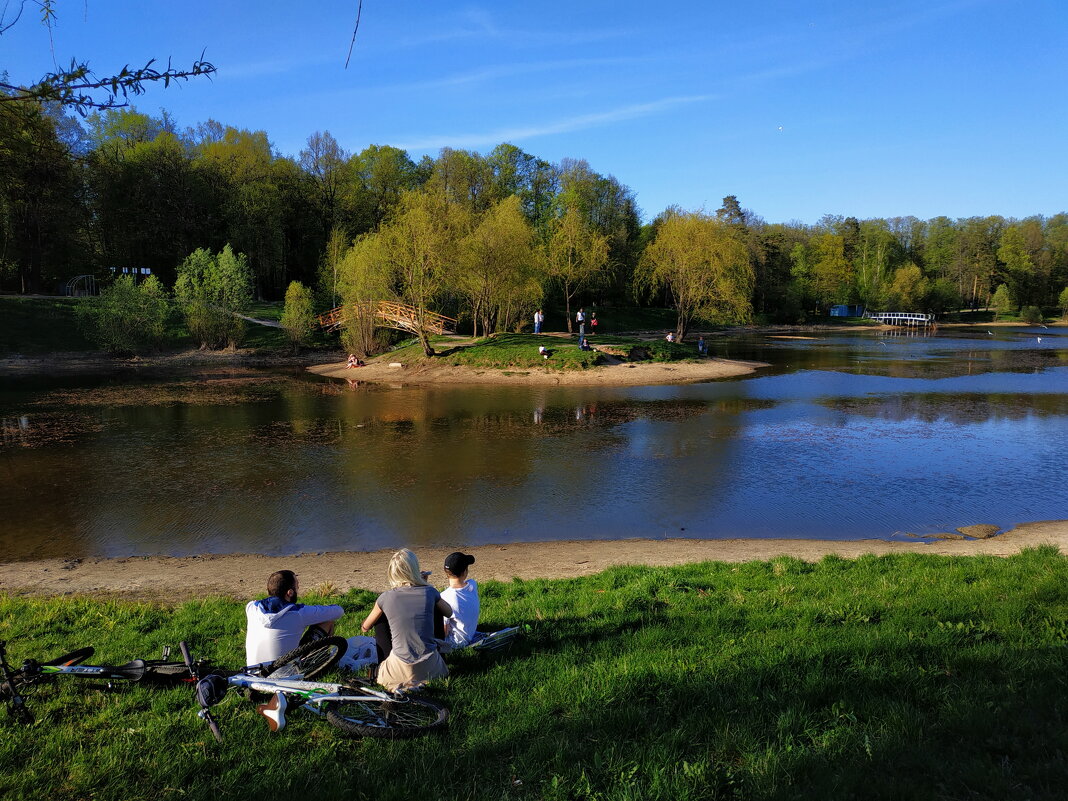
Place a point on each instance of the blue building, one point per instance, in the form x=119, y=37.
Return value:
x=845, y=310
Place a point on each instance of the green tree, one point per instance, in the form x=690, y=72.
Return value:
x=832, y=274
x=1003, y=301
x=382, y=175
x=704, y=267
x=41, y=219
x=496, y=267
x=411, y=256
x=246, y=201
x=942, y=295
x=1062, y=301
x=127, y=317
x=1019, y=268
x=574, y=255
x=909, y=288
x=211, y=292
x=298, y=316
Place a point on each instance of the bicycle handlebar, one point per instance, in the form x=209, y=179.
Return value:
x=205, y=712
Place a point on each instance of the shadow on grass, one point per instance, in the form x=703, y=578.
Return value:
x=863, y=720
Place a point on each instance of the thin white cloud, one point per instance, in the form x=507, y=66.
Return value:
x=511, y=70
x=568, y=125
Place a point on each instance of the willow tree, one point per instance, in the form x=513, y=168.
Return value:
x=408, y=259
x=496, y=268
x=703, y=266
x=575, y=254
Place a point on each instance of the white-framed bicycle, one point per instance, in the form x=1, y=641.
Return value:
x=356, y=708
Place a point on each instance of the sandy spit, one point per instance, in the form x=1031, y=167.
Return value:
x=173, y=579
x=617, y=375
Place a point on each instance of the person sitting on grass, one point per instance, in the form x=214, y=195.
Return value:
x=462, y=596
x=278, y=624
x=543, y=351
x=403, y=618
x=670, y=337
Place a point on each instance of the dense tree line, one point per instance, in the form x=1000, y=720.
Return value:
x=484, y=237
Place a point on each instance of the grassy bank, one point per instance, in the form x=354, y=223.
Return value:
x=37, y=326
x=520, y=351
x=886, y=677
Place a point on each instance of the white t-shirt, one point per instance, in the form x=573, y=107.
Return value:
x=275, y=627
x=464, y=620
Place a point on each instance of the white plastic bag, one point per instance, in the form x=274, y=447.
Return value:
x=360, y=654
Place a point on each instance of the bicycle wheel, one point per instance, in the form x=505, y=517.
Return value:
x=73, y=658
x=398, y=719
x=309, y=660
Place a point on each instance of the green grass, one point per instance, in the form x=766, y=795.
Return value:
x=501, y=351
x=520, y=351
x=904, y=676
x=36, y=326
x=41, y=325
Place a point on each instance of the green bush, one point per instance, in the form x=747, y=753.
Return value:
x=128, y=317
x=298, y=318
x=211, y=291
x=1031, y=314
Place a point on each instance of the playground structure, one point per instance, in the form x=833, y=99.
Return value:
x=389, y=314
x=902, y=318
x=80, y=286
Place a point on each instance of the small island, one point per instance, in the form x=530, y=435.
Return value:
x=543, y=360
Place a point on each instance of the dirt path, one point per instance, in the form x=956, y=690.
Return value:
x=243, y=575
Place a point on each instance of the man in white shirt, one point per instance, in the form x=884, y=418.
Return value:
x=462, y=596
x=278, y=624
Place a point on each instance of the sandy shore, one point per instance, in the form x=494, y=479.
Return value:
x=170, y=579
x=618, y=375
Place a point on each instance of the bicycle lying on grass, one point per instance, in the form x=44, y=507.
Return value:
x=355, y=708
x=15, y=682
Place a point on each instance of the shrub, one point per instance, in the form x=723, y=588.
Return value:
x=212, y=291
x=1031, y=314
x=128, y=318
x=298, y=318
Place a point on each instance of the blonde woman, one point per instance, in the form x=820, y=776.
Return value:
x=404, y=622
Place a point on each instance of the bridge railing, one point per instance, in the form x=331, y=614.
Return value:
x=901, y=318
x=390, y=314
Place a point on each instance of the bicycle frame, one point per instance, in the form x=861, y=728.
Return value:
x=313, y=693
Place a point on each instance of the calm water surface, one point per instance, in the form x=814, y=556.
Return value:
x=845, y=436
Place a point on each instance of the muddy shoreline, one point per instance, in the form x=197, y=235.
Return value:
x=170, y=579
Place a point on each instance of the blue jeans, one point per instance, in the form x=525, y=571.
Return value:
x=537, y=328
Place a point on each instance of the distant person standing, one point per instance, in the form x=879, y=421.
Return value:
x=593, y=323
x=539, y=318
x=580, y=318
x=702, y=349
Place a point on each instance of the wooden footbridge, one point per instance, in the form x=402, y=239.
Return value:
x=902, y=318
x=389, y=314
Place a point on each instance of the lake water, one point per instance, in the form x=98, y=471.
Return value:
x=845, y=436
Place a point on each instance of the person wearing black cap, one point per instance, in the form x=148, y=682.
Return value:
x=462, y=596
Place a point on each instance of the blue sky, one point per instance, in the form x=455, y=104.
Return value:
x=799, y=108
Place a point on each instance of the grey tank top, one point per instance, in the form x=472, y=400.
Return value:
x=410, y=612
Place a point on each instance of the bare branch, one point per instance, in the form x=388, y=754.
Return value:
x=359, y=13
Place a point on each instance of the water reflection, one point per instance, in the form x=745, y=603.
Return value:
x=847, y=435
